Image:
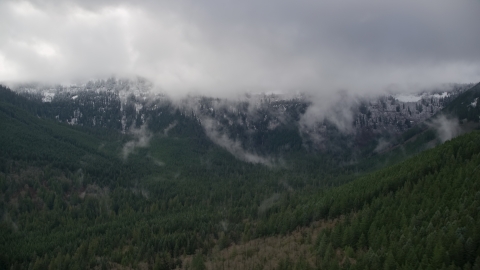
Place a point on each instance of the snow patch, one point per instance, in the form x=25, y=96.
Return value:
x=48, y=96
x=138, y=107
x=442, y=95
x=474, y=103
x=408, y=98
x=418, y=97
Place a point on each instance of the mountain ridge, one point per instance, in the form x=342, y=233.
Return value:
x=176, y=199
x=262, y=125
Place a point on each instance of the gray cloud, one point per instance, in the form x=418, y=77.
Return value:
x=336, y=107
x=170, y=127
x=232, y=146
x=446, y=127
x=141, y=138
x=382, y=145
x=268, y=203
x=223, y=48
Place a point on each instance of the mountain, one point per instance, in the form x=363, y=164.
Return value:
x=465, y=105
x=418, y=214
x=260, y=125
x=65, y=188
x=184, y=191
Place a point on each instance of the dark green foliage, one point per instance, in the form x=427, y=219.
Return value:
x=68, y=188
x=466, y=105
x=424, y=210
x=69, y=200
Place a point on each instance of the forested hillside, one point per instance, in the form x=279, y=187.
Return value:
x=465, y=106
x=420, y=214
x=65, y=188
x=262, y=124
x=76, y=197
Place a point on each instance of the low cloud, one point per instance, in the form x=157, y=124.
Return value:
x=331, y=50
x=335, y=108
x=156, y=161
x=268, y=203
x=169, y=127
x=212, y=130
x=446, y=127
x=382, y=145
x=141, y=138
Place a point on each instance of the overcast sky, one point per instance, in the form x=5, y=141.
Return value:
x=223, y=47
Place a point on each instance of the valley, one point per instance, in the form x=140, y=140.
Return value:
x=172, y=192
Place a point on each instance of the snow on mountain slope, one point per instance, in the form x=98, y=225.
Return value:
x=264, y=122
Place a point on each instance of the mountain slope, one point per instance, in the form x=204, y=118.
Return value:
x=263, y=125
x=66, y=188
x=419, y=214
x=465, y=105
x=71, y=198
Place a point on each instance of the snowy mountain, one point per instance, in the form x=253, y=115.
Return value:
x=262, y=124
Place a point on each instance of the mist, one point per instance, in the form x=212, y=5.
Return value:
x=141, y=138
x=212, y=130
x=268, y=203
x=225, y=49
x=446, y=127
x=169, y=127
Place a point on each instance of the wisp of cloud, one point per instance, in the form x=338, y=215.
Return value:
x=141, y=138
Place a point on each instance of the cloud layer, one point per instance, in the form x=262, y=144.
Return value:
x=228, y=47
